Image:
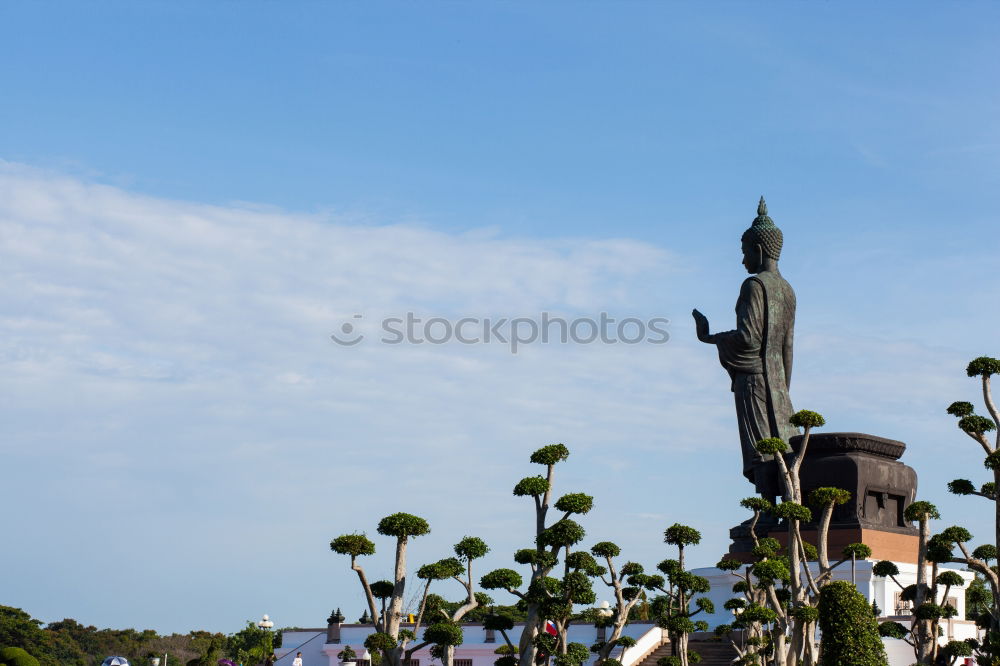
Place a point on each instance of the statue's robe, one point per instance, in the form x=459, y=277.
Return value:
x=758, y=357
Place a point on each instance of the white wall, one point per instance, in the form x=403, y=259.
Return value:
x=880, y=590
x=316, y=653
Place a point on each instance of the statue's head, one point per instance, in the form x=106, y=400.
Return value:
x=761, y=241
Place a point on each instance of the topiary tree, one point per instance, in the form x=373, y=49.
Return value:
x=977, y=428
x=546, y=597
x=673, y=610
x=780, y=580
x=928, y=613
x=458, y=568
x=850, y=633
x=386, y=641
x=628, y=585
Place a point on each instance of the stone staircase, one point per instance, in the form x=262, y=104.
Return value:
x=713, y=653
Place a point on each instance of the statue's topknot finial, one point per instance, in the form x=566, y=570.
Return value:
x=765, y=232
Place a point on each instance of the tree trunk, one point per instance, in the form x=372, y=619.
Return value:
x=921, y=629
x=526, y=646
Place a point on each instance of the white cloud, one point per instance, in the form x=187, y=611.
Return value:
x=169, y=384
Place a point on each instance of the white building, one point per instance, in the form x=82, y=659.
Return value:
x=319, y=647
x=883, y=591
x=478, y=649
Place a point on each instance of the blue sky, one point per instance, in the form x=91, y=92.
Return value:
x=194, y=195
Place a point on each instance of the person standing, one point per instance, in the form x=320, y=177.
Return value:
x=298, y=659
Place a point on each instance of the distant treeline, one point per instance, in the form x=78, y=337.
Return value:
x=69, y=642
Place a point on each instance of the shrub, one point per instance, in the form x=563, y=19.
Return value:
x=850, y=633
x=15, y=656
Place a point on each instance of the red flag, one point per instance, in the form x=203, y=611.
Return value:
x=550, y=628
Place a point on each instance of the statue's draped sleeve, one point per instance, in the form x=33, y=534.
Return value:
x=740, y=349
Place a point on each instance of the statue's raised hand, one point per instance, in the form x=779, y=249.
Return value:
x=700, y=325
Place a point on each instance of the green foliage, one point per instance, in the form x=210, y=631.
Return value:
x=735, y=604
x=380, y=643
x=353, y=545
x=892, y=630
x=605, y=549
x=705, y=604
x=505, y=661
x=431, y=572
x=985, y=552
x=681, y=535
x=961, y=487
x=805, y=613
x=768, y=547
x=807, y=419
x=955, y=649
x=757, y=613
x=550, y=455
x=976, y=425
x=921, y=510
x=885, y=568
x=543, y=559
x=347, y=654
x=850, y=633
x=909, y=593
x=827, y=495
x=19, y=629
x=960, y=408
x=956, y=534
x=576, y=654
x=583, y=561
x=403, y=525
x=770, y=572
x=859, y=550
x=544, y=642
x=471, y=548
x=382, y=589
x=531, y=486
x=950, y=578
x=978, y=599
x=939, y=549
x=928, y=611
x=727, y=564
x=15, y=656
x=771, y=446
x=677, y=624
x=562, y=533
x=756, y=504
x=501, y=579
x=450, y=567
x=670, y=567
x=444, y=633
x=992, y=461
x=575, y=503
x=250, y=643
x=984, y=366
x=793, y=511
x=631, y=569
x=498, y=622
